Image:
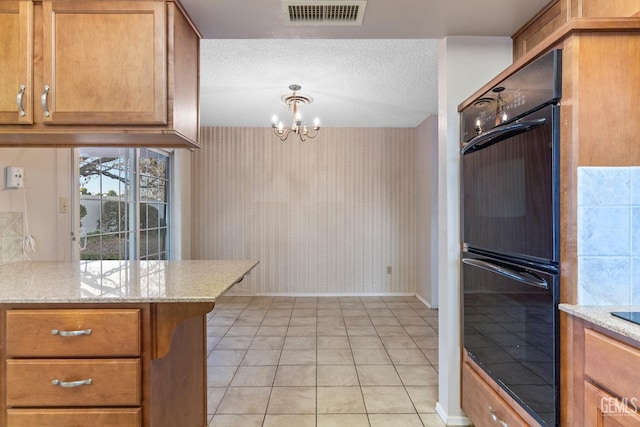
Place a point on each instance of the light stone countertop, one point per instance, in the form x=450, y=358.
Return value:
x=601, y=316
x=119, y=281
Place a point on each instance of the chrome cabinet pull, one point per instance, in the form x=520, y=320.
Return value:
x=70, y=384
x=19, y=100
x=45, y=104
x=497, y=419
x=70, y=333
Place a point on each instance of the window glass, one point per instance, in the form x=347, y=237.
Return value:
x=124, y=203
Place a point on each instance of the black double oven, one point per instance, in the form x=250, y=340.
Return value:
x=510, y=214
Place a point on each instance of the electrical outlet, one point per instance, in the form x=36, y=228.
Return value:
x=64, y=205
x=15, y=177
x=388, y=269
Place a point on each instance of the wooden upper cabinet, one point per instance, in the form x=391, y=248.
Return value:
x=98, y=73
x=16, y=59
x=104, y=62
x=559, y=12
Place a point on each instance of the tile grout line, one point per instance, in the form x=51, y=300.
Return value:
x=316, y=341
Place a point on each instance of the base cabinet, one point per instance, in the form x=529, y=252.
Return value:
x=601, y=376
x=611, y=378
x=602, y=409
x=109, y=365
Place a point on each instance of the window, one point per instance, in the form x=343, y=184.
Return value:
x=124, y=203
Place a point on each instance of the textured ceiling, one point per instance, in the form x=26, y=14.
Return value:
x=380, y=74
x=354, y=83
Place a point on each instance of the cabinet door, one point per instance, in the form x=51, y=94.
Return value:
x=604, y=410
x=104, y=62
x=16, y=53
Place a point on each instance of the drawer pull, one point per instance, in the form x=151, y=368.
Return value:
x=70, y=384
x=70, y=333
x=497, y=419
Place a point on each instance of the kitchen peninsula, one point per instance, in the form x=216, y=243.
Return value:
x=108, y=343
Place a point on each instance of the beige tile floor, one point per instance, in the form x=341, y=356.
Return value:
x=322, y=362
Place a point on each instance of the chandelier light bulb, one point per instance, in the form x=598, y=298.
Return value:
x=274, y=119
x=316, y=123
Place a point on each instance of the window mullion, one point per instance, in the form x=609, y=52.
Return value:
x=134, y=205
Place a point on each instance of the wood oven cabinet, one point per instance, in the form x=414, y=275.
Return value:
x=486, y=403
x=83, y=72
x=125, y=365
x=599, y=94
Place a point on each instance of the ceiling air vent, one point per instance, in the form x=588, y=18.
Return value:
x=327, y=12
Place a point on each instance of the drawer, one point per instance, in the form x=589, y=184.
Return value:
x=122, y=417
x=612, y=364
x=482, y=403
x=114, y=382
x=113, y=333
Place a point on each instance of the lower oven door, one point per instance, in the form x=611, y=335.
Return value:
x=511, y=330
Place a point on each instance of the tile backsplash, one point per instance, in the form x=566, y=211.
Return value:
x=10, y=237
x=609, y=236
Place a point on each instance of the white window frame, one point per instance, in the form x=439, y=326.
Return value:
x=171, y=223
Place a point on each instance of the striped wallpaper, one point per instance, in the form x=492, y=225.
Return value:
x=327, y=216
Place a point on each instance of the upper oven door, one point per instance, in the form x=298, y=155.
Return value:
x=510, y=189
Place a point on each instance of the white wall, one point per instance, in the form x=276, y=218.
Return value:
x=323, y=217
x=181, y=201
x=46, y=179
x=48, y=176
x=465, y=64
x=426, y=186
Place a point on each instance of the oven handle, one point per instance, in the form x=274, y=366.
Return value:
x=521, y=276
x=499, y=133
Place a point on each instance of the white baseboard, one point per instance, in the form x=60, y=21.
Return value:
x=451, y=420
x=424, y=301
x=295, y=294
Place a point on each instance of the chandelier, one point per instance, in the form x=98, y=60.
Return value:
x=297, y=127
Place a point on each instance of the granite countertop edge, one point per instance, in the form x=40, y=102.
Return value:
x=601, y=316
x=134, y=282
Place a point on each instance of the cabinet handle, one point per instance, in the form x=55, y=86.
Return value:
x=45, y=105
x=497, y=419
x=69, y=384
x=19, y=100
x=70, y=333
